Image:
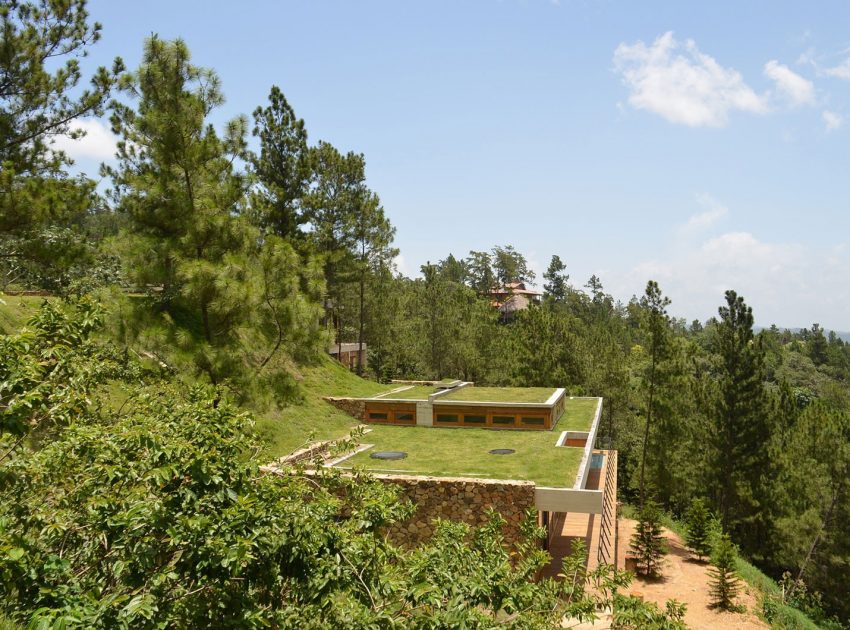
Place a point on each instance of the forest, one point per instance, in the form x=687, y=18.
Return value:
x=187, y=295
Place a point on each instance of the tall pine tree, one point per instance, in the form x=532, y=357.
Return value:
x=741, y=427
x=176, y=184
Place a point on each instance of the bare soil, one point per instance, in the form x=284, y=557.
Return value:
x=685, y=579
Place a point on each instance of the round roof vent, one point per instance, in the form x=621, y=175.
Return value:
x=502, y=451
x=388, y=455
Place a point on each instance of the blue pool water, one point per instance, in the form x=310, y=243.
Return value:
x=596, y=461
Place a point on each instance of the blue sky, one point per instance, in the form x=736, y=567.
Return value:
x=703, y=146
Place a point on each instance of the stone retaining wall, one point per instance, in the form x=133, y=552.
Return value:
x=458, y=499
x=352, y=406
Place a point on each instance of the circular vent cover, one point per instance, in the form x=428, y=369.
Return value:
x=388, y=455
x=502, y=451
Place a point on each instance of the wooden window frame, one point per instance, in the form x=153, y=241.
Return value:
x=392, y=410
x=516, y=413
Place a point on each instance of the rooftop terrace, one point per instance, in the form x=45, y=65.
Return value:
x=578, y=414
x=443, y=452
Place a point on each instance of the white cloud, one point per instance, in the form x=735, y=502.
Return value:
x=798, y=90
x=832, y=120
x=712, y=213
x=97, y=144
x=789, y=284
x=400, y=265
x=841, y=71
x=678, y=82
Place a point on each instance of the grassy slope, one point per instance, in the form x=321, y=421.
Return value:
x=289, y=428
x=16, y=311
x=463, y=452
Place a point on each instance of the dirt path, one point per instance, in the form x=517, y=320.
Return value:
x=686, y=580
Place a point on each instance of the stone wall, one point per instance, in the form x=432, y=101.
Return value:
x=352, y=406
x=457, y=499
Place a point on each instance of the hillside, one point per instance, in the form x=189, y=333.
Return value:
x=311, y=418
x=16, y=310
x=285, y=428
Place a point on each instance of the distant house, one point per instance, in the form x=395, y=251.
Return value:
x=513, y=297
x=347, y=353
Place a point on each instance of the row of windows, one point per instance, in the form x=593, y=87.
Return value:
x=494, y=420
x=480, y=417
x=391, y=416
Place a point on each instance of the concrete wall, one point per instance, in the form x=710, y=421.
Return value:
x=424, y=413
x=458, y=499
x=352, y=406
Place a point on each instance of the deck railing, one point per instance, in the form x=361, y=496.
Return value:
x=607, y=553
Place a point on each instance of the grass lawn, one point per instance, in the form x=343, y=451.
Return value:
x=501, y=394
x=578, y=414
x=417, y=392
x=311, y=418
x=16, y=311
x=444, y=452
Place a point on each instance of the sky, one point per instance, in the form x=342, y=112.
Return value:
x=702, y=145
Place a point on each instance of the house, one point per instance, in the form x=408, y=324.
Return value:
x=347, y=353
x=513, y=297
x=456, y=450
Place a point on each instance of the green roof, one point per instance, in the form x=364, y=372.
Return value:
x=463, y=452
x=417, y=392
x=578, y=414
x=501, y=394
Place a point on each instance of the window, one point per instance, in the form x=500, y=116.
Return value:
x=503, y=420
x=450, y=418
x=404, y=416
x=476, y=419
x=533, y=421
x=375, y=415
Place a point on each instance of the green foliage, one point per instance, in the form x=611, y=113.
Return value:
x=281, y=168
x=510, y=266
x=39, y=62
x=556, y=286
x=741, y=425
x=232, y=306
x=42, y=243
x=655, y=327
x=724, y=580
x=51, y=367
x=546, y=350
x=633, y=614
x=648, y=545
x=699, y=529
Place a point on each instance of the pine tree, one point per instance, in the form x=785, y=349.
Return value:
x=281, y=168
x=724, y=581
x=742, y=426
x=655, y=325
x=556, y=285
x=176, y=184
x=699, y=529
x=648, y=545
